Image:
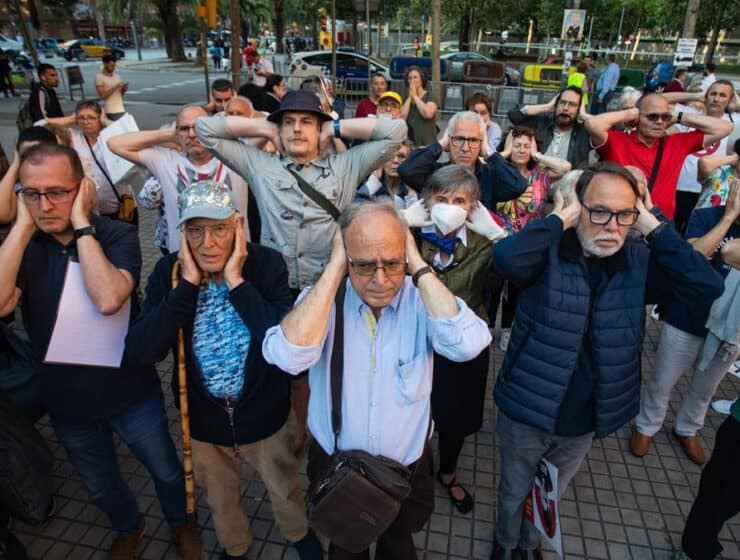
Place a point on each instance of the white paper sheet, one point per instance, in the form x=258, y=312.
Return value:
x=117, y=166
x=82, y=335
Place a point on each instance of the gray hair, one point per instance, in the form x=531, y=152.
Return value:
x=362, y=207
x=628, y=94
x=190, y=106
x=452, y=178
x=566, y=185
x=466, y=116
x=239, y=98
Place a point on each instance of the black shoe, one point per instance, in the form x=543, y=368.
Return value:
x=309, y=547
x=465, y=505
x=501, y=553
x=11, y=548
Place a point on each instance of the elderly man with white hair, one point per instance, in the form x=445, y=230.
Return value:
x=467, y=141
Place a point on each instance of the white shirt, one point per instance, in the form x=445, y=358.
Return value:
x=175, y=172
x=462, y=235
x=560, y=144
x=387, y=380
x=688, y=180
x=707, y=81
x=114, y=103
x=107, y=199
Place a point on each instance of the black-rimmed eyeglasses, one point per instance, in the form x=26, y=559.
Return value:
x=601, y=216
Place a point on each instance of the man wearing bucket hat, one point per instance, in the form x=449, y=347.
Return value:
x=228, y=294
x=293, y=222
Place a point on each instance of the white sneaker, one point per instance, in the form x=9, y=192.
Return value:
x=654, y=313
x=735, y=369
x=503, y=339
x=723, y=406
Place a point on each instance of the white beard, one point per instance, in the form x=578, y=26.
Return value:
x=590, y=247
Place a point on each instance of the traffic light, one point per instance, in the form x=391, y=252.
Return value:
x=211, y=13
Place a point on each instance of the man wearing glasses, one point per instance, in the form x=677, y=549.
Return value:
x=228, y=294
x=394, y=322
x=176, y=170
x=88, y=404
x=556, y=126
x=572, y=368
x=657, y=155
x=467, y=141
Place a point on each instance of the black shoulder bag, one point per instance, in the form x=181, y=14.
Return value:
x=316, y=196
x=656, y=165
x=360, y=494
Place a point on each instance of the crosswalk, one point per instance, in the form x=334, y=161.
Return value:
x=169, y=85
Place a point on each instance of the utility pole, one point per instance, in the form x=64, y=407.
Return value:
x=236, y=55
x=24, y=31
x=689, y=22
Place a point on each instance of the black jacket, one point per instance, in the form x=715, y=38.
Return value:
x=544, y=128
x=51, y=106
x=261, y=301
x=499, y=180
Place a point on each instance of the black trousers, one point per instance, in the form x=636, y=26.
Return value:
x=396, y=543
x=685, y=203
x=6, y=83
x=718, y=498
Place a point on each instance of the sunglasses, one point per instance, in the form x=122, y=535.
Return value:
x=655, y=117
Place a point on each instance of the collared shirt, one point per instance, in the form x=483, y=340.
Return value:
x=608, y=80
x=375, y=187
x=387, y=375
x=462, y=235
x=291, y=222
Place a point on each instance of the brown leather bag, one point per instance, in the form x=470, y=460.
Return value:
x=360, y=494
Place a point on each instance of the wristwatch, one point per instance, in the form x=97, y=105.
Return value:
x=88, y=230
x=337, y=133
x=421, y=272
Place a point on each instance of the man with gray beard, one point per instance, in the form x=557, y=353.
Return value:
x=572, y=368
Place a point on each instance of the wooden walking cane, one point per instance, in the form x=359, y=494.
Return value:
x=182, y=386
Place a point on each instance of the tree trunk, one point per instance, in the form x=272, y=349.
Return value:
x=236, y=55
x=436, y=74
x=689, y=22
x=279, y=21
x=172, y=35
x=715, y=31
x=464, y=37
x=24, y=31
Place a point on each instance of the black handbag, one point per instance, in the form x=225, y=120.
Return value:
x=360, y=494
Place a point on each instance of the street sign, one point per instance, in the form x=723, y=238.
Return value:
x=685, y=51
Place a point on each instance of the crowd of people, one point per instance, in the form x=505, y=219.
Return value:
x=332, y=286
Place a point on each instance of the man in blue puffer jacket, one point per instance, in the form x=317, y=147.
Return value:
x=572, y=368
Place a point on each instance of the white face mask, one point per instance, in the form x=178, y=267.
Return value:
x=448, y=217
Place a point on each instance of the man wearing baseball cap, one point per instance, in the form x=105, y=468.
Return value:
x=228, y=293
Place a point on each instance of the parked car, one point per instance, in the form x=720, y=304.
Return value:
x=9, y=45
x=351, y=66
x=456, y=61
x=82, y=49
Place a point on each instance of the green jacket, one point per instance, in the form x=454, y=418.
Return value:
x=467, y=274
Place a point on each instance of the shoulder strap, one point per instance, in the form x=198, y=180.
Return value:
x=315, y=195
x=656, y=165
x=336, y=368
x=102, y=169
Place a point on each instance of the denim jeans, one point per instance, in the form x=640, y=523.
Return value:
x=143, y=427
x=522, y=448
x=676, y=355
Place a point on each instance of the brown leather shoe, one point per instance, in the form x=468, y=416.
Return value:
x=124, y=547
x=692, y=447
x=639, y=444
x=188, y=541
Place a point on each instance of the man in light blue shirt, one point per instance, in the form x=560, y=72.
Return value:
x=392, y=324
x=606, y=86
